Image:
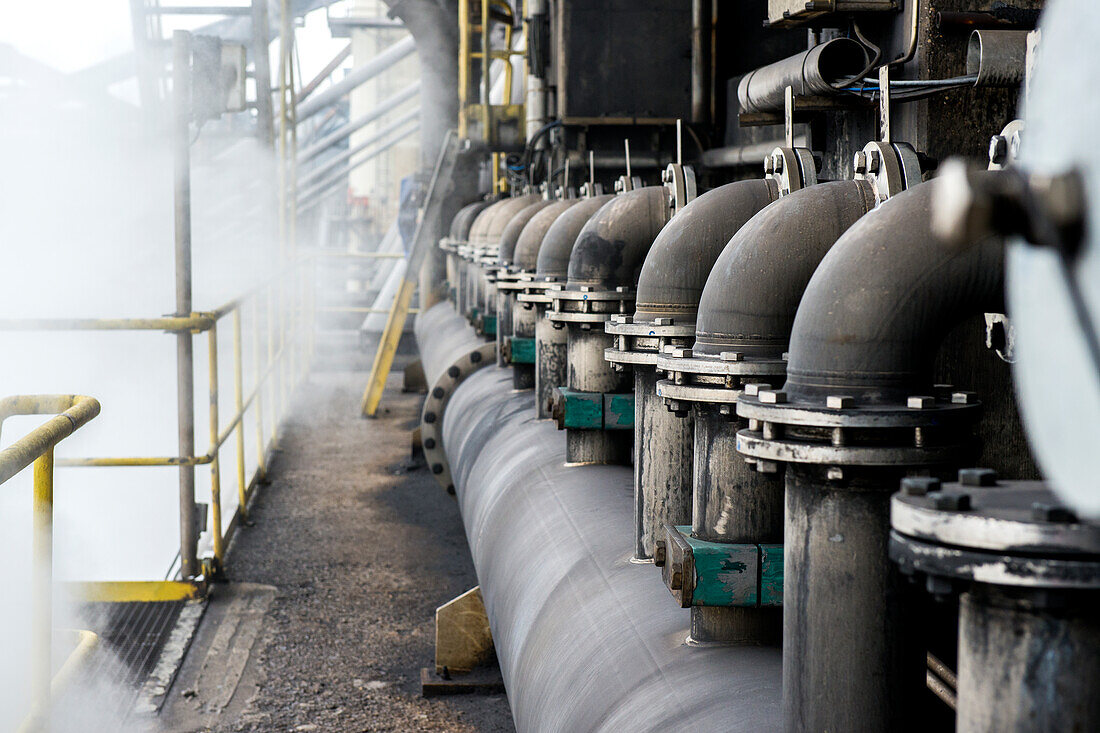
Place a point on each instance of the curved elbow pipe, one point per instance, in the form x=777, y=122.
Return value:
x=612, y=246
x=557, y=245
x=503, y=214
x=752, y=294
x=481, y=222
x=883, y=299
x=464, y=220
x=510, y=236
x=682, y=255
x=526, y=255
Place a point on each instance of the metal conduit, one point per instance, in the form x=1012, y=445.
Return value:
x=355, y=78
x=305, y=196
x=587, y=641
x=344, y=131
x=381, y=134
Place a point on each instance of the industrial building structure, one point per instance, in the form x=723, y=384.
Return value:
x=757, y=344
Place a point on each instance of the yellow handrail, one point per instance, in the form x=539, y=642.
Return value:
x=70, y=413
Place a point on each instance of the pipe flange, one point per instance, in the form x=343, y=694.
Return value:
x=431, y=416
x=707, y=378
x=1010, y=534
x=641, y=342
x=680, y=185
x=890, y=168
x=587, y=301
x=926, y=431
x=792, y=169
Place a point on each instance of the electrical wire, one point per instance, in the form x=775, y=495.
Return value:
x=870, y=66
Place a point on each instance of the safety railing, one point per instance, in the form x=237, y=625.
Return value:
x=70, y=413
x=282, y=312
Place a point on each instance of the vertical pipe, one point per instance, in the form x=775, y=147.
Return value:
x=185, y=372
x=238, y=403
x=700, y=61
x=588, y=371
x=486, y=82
x=550, y=360
x=215, y=465
x=42, y=590
x=262, y=71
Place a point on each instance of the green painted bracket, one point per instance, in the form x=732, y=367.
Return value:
x=520, y=350
x=486, y=324
x=596, y=411
x=700, y=573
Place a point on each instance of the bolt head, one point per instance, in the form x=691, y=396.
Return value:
x=978, y=477
x=859, y=163
x=998, y=150
x=682, y=353
x=753, y=389
x=874, y=161
x=586, y=326
x=1041, y=512
x=964, y=398
x=622, y=289
x=919, y=485
x=773, y=397
x=725, y=410
x=955, y=502
x=777, y=162
x=834, y=473
x=839, y=402
x=922, y=402
x=731, y=356
x=769, y=167
x=662, y=321
x=586, y=288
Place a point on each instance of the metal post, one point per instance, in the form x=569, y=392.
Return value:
x=238, y=404
x=261, y=447
x=215, y=467
x=185, y=373
x=42, y=589
x=261, y=41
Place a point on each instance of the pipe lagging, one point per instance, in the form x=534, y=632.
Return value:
x=751, y=296
x=587, y=641
x=810, y=73
x=882, y=300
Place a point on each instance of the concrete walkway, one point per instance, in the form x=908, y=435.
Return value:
x=358, y=550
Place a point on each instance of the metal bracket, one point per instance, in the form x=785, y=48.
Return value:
x=519, y=350
x=575, y=410
x=679, y=181
x=701, y=573
x=485, y=324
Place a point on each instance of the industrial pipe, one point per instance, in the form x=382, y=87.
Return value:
x=669, y=287
x=809, y=73
x=526, y=253
x=356, y=77
x=485, y=263
x=857, y=412
x=304, y=198
x=585, y=640
x=551, y=267
x=380, y=134
x=503, y=284
x=603, y=272
x=744, y=322
x=344, y=131
x=997, y=58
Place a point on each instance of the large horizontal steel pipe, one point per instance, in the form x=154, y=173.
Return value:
x=450, y=351
x=809, y=73
x=587, y=641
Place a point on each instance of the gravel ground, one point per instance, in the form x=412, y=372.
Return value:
x=362, y=550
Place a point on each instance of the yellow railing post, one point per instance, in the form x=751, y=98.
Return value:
x=238, y=404
x=215, y=470
x=261, y=444
x=42, y=589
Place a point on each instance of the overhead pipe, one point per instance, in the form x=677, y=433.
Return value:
x=603, y=272
x=381, y=134
x=745, y=317
x=810, y=73
x=857, y=412
x=343, y=55
x=344, y=131
x=356, y=78
x=669, y=287
x=309, y=196
x=551, y=269
x=503, y=283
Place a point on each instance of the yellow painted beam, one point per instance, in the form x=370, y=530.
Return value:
x=130, y=591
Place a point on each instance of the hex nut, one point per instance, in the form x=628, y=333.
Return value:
x=839, y=402
x=998, y=149
x=920, y=402
x=429, y=417
x=834, y=473
x=964, y=398
x=773, y=397
x=453, y=371
x=659, y=553
x=662, y=321
x=859, y=162
x=682, y=353
x=731, y=356
x=475, y=357
x=977, y=477
x=753, y=388
x=1041, y=512
x=956, y=502
x=920, y=485
x=437, y=468
x=622, y=289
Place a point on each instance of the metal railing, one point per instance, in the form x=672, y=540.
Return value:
x=283, y=307
x=70, y=413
